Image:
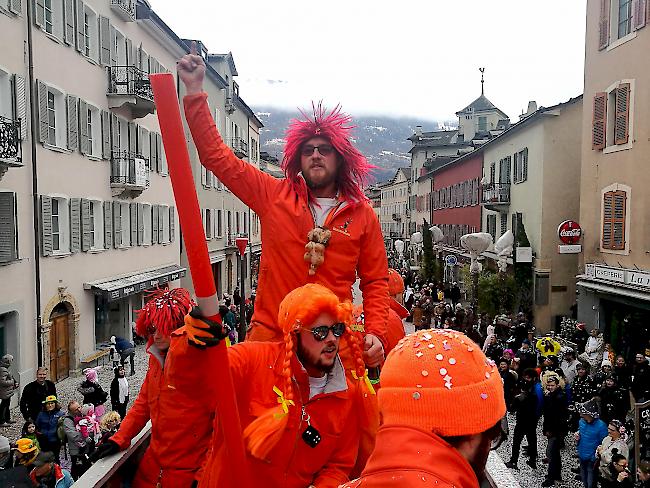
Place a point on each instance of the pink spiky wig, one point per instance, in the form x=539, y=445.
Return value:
x=164, y=311
x=334, y=126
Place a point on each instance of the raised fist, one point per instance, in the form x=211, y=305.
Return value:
x=191, y=70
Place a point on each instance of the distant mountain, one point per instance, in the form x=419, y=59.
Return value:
x=383, y=140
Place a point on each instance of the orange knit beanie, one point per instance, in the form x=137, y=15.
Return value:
x=440, y=381
x=395, y=283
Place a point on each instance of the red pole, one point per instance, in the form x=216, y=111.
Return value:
x=189, y=215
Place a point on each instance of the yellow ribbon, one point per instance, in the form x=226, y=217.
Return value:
x=228, y=343
x=283, y=401
x=366, y=380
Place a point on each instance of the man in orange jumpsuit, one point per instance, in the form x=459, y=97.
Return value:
x=295, y=402
x=179, y=439
x=321, y=196
x=441, y=402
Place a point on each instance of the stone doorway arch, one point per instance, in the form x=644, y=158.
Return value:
x=60, y=335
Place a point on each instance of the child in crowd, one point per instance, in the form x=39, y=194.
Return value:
x=29, y=432
x=108, y=425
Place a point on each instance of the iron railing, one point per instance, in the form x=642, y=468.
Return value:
x=124, y=169
x=124, y=8
x=239, y=146
x=129, y=81
x=10, y=149
x=495, y=193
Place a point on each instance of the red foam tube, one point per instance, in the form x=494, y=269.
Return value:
x=189, y=215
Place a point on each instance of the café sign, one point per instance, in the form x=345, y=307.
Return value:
x=624, y=276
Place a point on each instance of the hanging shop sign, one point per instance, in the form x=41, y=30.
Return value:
x=524, y=254
x=631, y=277
x=569, y=232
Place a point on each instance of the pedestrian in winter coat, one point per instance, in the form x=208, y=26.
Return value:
x=8, y=386
x=78, y=444
x=93, y=392
x=434, y=435
x=527, y=357
x=492, y=349
x=6, y=457
x=622, y=373
x=173, y=457
x=643, y=473
x=454, y=294
x=594, y=350
x=322, y=189
x=47, y=424
x=528, y=406
x=580, y=336
x=509, y=378
x=641, y=379
x=307, y=377
x=554, y=428
x=614, y=443
x=605, y=372
x=568, y=365
x=126, y=350
x=590, y=435
x=31, y=400
x=48, y=473
x=120, y=392
x=617, y=473
x=614, y=402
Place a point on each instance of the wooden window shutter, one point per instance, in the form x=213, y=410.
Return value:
x=104, y=41
x=113, y=47
x=159, y=154
x=43, y=125
x=618, y=220
x=639, y=13
x=73, y=122
x=84, y=137
x=608, y=215
x=622, y=122
x=86, y=227
x=117, y=224
x=20, y=104
x=115, y=137
x=68, y=28
x=130, y=57
x=133, y=138
x=46, y=225
x=524, y=172
x=75, y=225
x=154, y=224
x=81, y=20
x=599, y=123
x=133, y=210
x=172, y=223
x=8, y=227
x=140, y=224
x=15, y=6
x=125, y=214
x=603, y=24
x=106, y=135
x=204, y=176
x=161, y=224
x=108, y=225
x=39, y=18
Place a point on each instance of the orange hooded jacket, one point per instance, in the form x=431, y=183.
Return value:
x=256, y=368
x=409, y=457
x=356, y=246
x=177, y=449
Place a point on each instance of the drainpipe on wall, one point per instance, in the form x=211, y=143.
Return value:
x=32, y=139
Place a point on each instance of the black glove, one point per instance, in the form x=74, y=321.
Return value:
x=108, y=448
x=202, y=332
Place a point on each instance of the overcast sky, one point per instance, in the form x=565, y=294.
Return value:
x=406, y=57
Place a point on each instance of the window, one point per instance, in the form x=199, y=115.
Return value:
x=482, y=124
x=624, y=17
x=94, y=132
x=49, y=27
x=89, y=34
x=492, y=225
x=147, y=224
x=96, y=225
x=521, y=166
x=612, y=123
x=493, y=173
x=219, y=224
x=541, y=289
x=60, y=226
x=52, y=115
x=614, y=220
x=5, y=95
x=49, y=17
x=125, y=218
x=208, y=226
x=51, y=118
x=8, y=227
x=504, y=170
x=237, y=222
x=165, y=223
x=504, y=223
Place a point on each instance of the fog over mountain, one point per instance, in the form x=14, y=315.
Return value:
x=382, y=139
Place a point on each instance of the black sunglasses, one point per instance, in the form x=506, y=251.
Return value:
x=321, y=332
x=323, y=149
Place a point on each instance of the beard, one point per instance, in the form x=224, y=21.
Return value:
x=479, y=458
x=322, y=183
x=310, y=359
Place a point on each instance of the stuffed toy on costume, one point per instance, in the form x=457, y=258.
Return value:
x=547, y=346
x=318, y=239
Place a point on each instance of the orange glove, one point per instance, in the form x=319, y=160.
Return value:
x=202, y=332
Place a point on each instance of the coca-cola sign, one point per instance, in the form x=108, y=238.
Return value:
x=569, y=232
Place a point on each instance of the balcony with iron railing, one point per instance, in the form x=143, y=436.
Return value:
x=495, y=196
x=124, y=9
x=130, y=86
x=397, y=217
x=10, y=147
x=129, y=171
x=239, y=147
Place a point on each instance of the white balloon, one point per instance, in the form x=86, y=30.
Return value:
x=416, y=238
x=436, y=234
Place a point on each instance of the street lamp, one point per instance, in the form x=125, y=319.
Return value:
x=476, y=244
x=242, y=241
